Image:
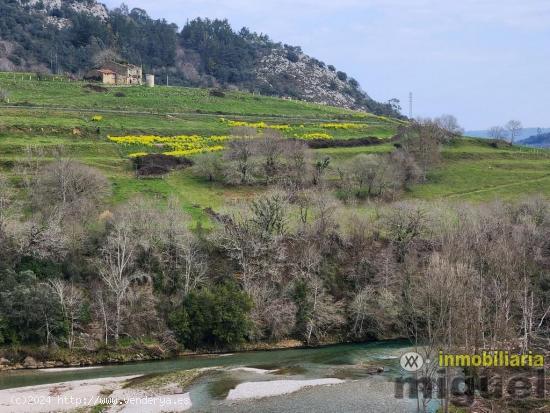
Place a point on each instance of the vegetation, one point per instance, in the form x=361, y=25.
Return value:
x=272, y=237
x=206, y=53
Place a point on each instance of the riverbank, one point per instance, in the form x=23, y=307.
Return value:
x=29, y=357
x=168, y=392
x=224, y=382
x=151, y=393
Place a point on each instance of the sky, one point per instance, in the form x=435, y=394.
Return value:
x=484, y=61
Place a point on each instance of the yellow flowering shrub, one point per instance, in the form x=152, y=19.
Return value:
x=180, y=145
x=137, y=154
x=194, y=151
x=257, y=125
x=97, y=118
x=313, y=135
x=334, y=125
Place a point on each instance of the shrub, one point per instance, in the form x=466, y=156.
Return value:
x=353, y=83
x=158, y=164
x=292, y=56
x=217, y=93
x=215, y=317
x=342, y=76
x=342, y=143
x=4, y=96
x=97, y=118
x=120, y=95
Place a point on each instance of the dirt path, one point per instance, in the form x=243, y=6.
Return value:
x=496, y=187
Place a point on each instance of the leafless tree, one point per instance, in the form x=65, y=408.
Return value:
x=43, y=239
x=514, y=128
x=404, y=223
x=361, y=309
x=324, y=314
x=117, y=264
x=251, y=236
x=178, y=251
x=497, y=132
x=270, y=147
x=297, y=171
x=208, y=165
x=422, y=140
x=240, y=152
x=406, y=171
x=274, y=313
x=449, y=124
x=71, y=188
x=70, y=299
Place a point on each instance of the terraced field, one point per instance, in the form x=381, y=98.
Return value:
x=79, y=118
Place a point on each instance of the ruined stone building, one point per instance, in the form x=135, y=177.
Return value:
x=113, y=73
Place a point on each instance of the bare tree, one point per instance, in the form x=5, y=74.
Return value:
x=240, y=151
x=70, y=300
x=422, y=140
x=270, y=148
x=117, y=264
x=404, y=224
x=178, y=251
x=361, y=309
x=373, y=173
x=72, y=188
x=322, y=314
x=449, y=124
x=497, y=132
x=274, y=313
x=43, y=239
x=208, y=165
x=251, y=236
x=514, y=128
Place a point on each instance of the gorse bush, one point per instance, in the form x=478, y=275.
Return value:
x=181, y=145
x=257, y=125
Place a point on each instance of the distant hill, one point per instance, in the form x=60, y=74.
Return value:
x=72, y=36
x=525, y=133
x=541, y=140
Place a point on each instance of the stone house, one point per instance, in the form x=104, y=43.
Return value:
x=113, y=73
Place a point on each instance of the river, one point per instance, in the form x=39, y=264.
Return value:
x=360, y=391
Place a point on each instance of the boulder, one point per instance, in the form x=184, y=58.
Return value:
x=30, y=363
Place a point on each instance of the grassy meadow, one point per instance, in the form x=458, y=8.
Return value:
x=47, y=115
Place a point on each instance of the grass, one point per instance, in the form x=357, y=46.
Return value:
x=163, y=99
x=54, y=114
x=48, y=115
x=474, y=171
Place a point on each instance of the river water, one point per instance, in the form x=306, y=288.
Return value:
x=361, y=392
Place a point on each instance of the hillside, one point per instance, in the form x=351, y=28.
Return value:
x=72, y=36
x=523, y=134
x=234, y=204
x=540, y=140
x=49, y=113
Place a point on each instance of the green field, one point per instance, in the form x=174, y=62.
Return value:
x=474, y=171
x=47, y=115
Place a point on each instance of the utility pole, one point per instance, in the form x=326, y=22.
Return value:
x=410, y=105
